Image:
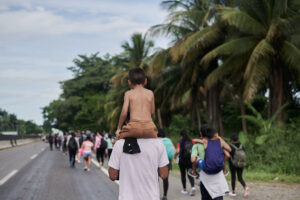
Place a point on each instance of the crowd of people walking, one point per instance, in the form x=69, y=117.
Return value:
x=83, y=144
x=189, y=154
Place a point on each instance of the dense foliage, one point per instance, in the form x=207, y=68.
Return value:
x=222, y=53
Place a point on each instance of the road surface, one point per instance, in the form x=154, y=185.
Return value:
x=33, y=172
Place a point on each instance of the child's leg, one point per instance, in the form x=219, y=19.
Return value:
x=139, y=130
x=200, y=163
x=194, y=164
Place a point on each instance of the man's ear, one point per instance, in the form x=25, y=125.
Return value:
x=145, y=82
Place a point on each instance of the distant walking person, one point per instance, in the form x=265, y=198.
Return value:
x=87, y=146
x=237, y=164
x=109, y=144
x=98, y=139
x=170, y=152
x=73, y=146
x=50, y=140
x=184, y=148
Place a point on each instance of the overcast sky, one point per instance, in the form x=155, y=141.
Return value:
x=39, y=40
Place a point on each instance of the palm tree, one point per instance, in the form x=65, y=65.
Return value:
x=193, y=37
x=265, y=49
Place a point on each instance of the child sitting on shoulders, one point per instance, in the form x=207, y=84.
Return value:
x=139, y=102
x=214, y=161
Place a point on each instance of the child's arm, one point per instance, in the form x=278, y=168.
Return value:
x=227, y=154
x=224, y=145
x=153, y=105
x=124, y=112
x=199, y=141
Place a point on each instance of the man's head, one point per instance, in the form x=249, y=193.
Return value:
x=234, y=138
x=161, y=133
x=136, y=76
x=210, y=132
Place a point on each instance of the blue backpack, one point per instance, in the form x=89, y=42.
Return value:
x=169, y=147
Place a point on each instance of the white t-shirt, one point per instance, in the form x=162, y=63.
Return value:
x=139, y=172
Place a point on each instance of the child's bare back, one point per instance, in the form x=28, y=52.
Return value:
x=140, y=102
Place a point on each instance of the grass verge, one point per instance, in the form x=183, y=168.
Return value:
x=261, y=176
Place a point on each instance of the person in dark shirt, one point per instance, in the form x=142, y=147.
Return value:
x=235, y=144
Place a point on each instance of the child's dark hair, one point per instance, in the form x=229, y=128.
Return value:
x=234, y=137
x=210, y=132
x=161, y=133
x=137, y=76
x=203, y=130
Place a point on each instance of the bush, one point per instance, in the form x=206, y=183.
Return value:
x=277, y=152
x=179, y=123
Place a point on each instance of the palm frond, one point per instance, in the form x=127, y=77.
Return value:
x=256, y=76
x=262, y=50
x=228, y=66
x=242, y=21
x=273, y=118
x=290, y=54
x=232, y=47
x=199, y=41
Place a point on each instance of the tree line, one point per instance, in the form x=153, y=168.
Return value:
x=10, y=122
x=222, y=54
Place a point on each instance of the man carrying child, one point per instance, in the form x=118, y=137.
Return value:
x=137, y=163
x=213, y=183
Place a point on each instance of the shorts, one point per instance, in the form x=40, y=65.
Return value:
x=139, y=129
x=87, y=154
x=200, y=163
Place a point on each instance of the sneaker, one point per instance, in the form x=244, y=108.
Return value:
x=184, y=192
x=193, y=191
x=190, y=173
x=88, y=169
x=164, y=198
x=85, y=168
x=232, y=194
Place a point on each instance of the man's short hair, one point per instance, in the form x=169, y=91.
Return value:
x=210, y=133
x=161, y=133
x=137, y=76
x=234, y=137
x=203, y=130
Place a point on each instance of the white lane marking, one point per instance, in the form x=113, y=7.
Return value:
x=105, y=171
x=8, y=176
x=33, y=156
x=42, y=149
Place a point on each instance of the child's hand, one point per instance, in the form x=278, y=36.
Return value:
x=118, y=133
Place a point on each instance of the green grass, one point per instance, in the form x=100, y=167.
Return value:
x=260, y=176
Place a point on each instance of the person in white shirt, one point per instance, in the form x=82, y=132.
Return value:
x=138, y=173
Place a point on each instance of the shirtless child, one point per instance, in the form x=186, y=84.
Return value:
x=139, y=101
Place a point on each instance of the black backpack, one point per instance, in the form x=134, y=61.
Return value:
x=103, y=143
x=186, y=151
x=72, y=144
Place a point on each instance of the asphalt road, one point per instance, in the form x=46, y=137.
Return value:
x=35, y=173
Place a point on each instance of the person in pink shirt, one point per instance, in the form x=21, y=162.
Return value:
x=87, y=146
